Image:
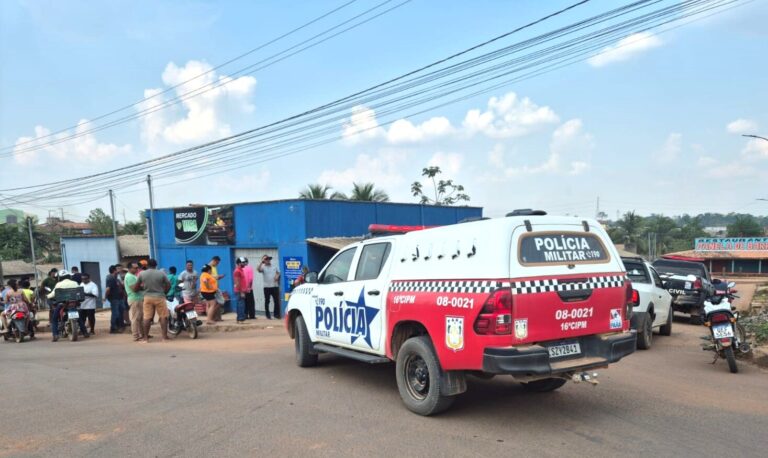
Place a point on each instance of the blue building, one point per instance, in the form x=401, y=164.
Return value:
x=293, y=232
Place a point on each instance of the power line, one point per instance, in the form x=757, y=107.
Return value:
x=217, y=67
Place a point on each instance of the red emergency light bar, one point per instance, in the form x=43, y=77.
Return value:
x=394, y=229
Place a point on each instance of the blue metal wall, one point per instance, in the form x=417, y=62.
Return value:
x=287, y=224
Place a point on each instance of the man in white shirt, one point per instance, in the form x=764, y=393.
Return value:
x=88, y=307
x=271, y=275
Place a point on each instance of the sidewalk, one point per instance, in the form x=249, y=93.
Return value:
x=228, y=323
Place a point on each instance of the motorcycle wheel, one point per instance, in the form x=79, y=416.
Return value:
x=731, y=358
x=191, y=328
x=19, y=333
x=173, y=328
x=73, y=335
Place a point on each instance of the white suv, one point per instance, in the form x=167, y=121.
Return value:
x=652, y=303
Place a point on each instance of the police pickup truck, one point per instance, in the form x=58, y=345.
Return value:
x=541, y=298
x=689, y=284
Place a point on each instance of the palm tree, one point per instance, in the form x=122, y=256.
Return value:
x=368, y=192
x=630, y=225
x=318, y=192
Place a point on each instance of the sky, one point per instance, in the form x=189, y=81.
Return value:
x=653, y=123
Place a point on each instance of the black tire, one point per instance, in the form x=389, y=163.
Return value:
x=305, y=357
x=731, y=358
x=666, y=328
x=19, y=334
x=191, y=329
x=419, y=376
x=73, y=335
x=696, y=320
x=645, y=335
x=544, y=385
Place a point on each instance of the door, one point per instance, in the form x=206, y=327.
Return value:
x=93, y=270
x=367, y=293
x=254, y=258
x=328, y=316
x=662, y=298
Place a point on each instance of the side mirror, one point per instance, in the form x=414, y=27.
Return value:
x=311, y=277
x=731, y=284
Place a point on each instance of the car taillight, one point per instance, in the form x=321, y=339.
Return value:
x=719, y=318
x=635, y=298
x=697, y=284
x=496, y=315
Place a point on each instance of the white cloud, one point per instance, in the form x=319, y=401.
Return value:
x=568, y=154
x=403, y=131
x=626, y=48
x=741, y=126
x=210, y=101
x=509, y=116
x=671, y=149
x=756, y=148
x=82, y=147
x=384, y=169
x=449, y=163
x=361, y=125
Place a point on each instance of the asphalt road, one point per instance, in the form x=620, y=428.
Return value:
x=241, y=394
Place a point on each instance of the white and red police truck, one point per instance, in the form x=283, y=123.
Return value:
x=541, y=298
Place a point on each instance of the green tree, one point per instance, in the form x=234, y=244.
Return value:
x=628, y=228
x=319, y=192
x=745, y=226
x=100, y=222
x=665, y=229
x=446, y=192
x=368, y=192
x=133, y=228
x=14, y=242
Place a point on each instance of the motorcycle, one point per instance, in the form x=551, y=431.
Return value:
x=69, y=320
x=21, y=323
x=727, y=336
x=182, y=317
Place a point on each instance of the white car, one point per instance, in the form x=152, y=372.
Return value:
x=652, y=303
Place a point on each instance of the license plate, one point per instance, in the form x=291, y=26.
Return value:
x=73, y=315
x=558, y=351
x=722, y=331
x=191, y=314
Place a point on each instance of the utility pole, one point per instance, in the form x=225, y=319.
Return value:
x=152, y=217
x=62, y=214
x=32, y=247
x=125, y=221
x=114, y=226
x=597, y=209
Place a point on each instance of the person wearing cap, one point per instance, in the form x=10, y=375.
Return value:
x=238, y=276
x=271, y=275
x=250, y=301
x=143, y=264
x=65, y=282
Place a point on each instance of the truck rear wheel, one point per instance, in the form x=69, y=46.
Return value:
x=544, y=385
x=666, y=328
x=305, y=357
x=419, y=376
x=645, y=334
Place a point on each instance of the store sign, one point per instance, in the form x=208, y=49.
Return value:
x=732, y=244
x=204, y=225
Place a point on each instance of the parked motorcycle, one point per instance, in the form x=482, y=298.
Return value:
x=69, y=320
x=727, y=335
x=182, y=317
x=21, y=323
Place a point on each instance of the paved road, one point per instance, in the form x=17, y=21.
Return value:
x=241, y=394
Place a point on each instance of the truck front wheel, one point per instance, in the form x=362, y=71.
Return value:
x=419, y=377
x=305, y=357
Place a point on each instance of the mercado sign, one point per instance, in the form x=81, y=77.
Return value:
x=732, y=244
x=204, y=225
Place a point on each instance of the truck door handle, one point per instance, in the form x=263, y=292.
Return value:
x=374, y=292
x=338, y=293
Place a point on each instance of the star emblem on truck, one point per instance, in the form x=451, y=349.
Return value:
x=369, y=313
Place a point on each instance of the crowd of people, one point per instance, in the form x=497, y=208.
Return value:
x=137, y=292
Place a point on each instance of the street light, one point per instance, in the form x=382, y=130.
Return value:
x=754, y=136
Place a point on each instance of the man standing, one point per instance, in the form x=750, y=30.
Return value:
x=114, y=295
x=188, y=280
x=174, y=281
x=155, y=285
x=214, y=267
x=88, y=307
x=250, y=301
x=238, y=276
x=135, y=301
x=271, y=276
x=76, y=276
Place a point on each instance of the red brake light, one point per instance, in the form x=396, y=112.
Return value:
x=496, y=315
x=635, y=298
x=19, y=315
x=697, y=284
x=719, y=318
